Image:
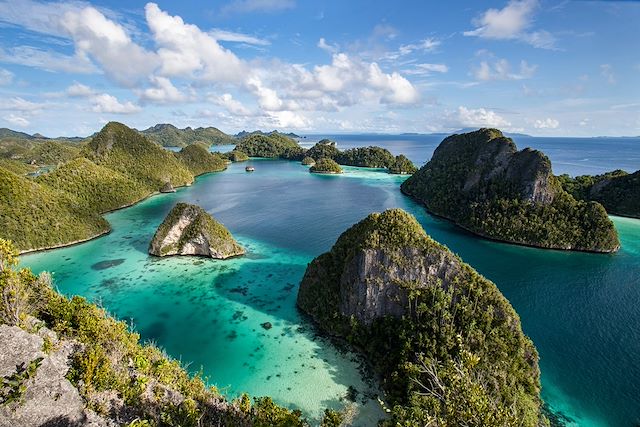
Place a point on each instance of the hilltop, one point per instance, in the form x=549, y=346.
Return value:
x=168, y=135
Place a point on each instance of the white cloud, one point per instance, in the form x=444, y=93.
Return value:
x=6, y=77
x=607, y=72
x=232, y=105
x=79, y=90
x=20, y=104
x=289, y=119
x=547, y=123
x=162, y=91
x=512, y=23
x=248, y=6
x=109, y=44
x=185, y=50
x=427, y=69
x=322, y=44
x=501, y=70
x=16, y=120
x=105, y=103
x=230, y=36
x=479, y=117
x=427, y=45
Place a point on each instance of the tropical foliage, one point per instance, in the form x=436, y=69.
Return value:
x=325, y=165
x=199, y=160
x=273, y=145
x=168, y=135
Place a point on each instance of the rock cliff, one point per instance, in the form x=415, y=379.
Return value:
x=483, y=183
x=190, y=230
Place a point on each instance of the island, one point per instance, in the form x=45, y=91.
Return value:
x=273, y=145
x=308, y=161
x=326, y=166
x=618, y=191
x=168, y=135
x=67, y=362
x=190, y=230
x=237, y=156
x=402, y=166
x=481, y=182
x=448, y=345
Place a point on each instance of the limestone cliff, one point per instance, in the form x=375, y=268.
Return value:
x=483, y=183
x=408, y=303
x=190, y=230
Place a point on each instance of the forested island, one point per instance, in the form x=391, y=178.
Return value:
x=618, y=191
x=168, y=135
x=446, y=342
x=117, y=168
x=326, y=166
x=480, y=181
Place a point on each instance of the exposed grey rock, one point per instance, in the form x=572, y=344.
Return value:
x=167, y=188
x=190, y=230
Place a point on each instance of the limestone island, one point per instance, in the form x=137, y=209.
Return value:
x=190, y=230
x=481, y=182
x=448, y=345
x=326, y=166
x=402, y=166
x=308, y=161
x=237, y=156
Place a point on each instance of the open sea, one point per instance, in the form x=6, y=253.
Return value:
x=581, y=310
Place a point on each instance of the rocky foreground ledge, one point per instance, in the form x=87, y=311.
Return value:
x=190, y=230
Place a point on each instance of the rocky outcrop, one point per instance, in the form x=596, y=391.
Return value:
x=190, y=230
x=483, y=183
x=48, y=397
x=620, y=195
x=167, y=188
x=407, y=301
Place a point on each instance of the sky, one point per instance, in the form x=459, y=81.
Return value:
x=549, y=68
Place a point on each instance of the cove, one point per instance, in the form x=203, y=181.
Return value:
x=581, y=310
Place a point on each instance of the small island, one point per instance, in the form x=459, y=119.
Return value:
x=190, y=230
x=402, y=166
x=326, y=166
x=428, y=323
x=237, y=156
x=308, y=161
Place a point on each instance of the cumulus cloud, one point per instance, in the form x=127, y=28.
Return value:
x=185, y=50
x=16, y=120
x=547, y=123
x=248, y=6
x=479, y=117
x=20, y=104
x=501, y=70
x=162, y=91
x=512, y=22
x=109, y=44
x=79, y=90
x=232, y=105
x=6, y=77
x=105, y=103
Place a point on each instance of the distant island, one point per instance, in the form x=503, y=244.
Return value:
x=480, y=181
x=326, y=166
x=244, y=134
x=447, y=343
x=168, y=135
x=618, y=191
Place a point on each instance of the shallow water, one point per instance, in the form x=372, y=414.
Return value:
x=581, y=310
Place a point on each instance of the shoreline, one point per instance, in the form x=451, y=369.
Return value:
x=493, y=239
x=104, y=233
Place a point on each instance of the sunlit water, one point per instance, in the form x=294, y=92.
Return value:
x=581, y=310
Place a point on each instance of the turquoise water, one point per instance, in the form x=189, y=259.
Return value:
x=581, y=310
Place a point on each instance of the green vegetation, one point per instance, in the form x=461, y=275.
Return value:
x=324, y=149
x=17, y=167
x=402, y=165
x=123, y=149
x=155, y=390
x=325, y=166
x=199, y=160
x=449, y=346
x=273, y=145
x=38, y=151
x=96, y=188
x=237, y=156
x=368, y=157
x=34, y=215
x=168, y=135
x=481, y=182
x=618, y=191
x=308, y=161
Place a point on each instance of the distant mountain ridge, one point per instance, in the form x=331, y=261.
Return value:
x=169, y=135
x=244, y=134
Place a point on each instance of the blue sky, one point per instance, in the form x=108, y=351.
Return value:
x=566, y=68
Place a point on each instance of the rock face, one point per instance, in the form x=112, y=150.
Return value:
x=49, y=398
x=403, y=299
x=483, y=183
x=190, y=230
x=620, y=195
x=167, y=188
